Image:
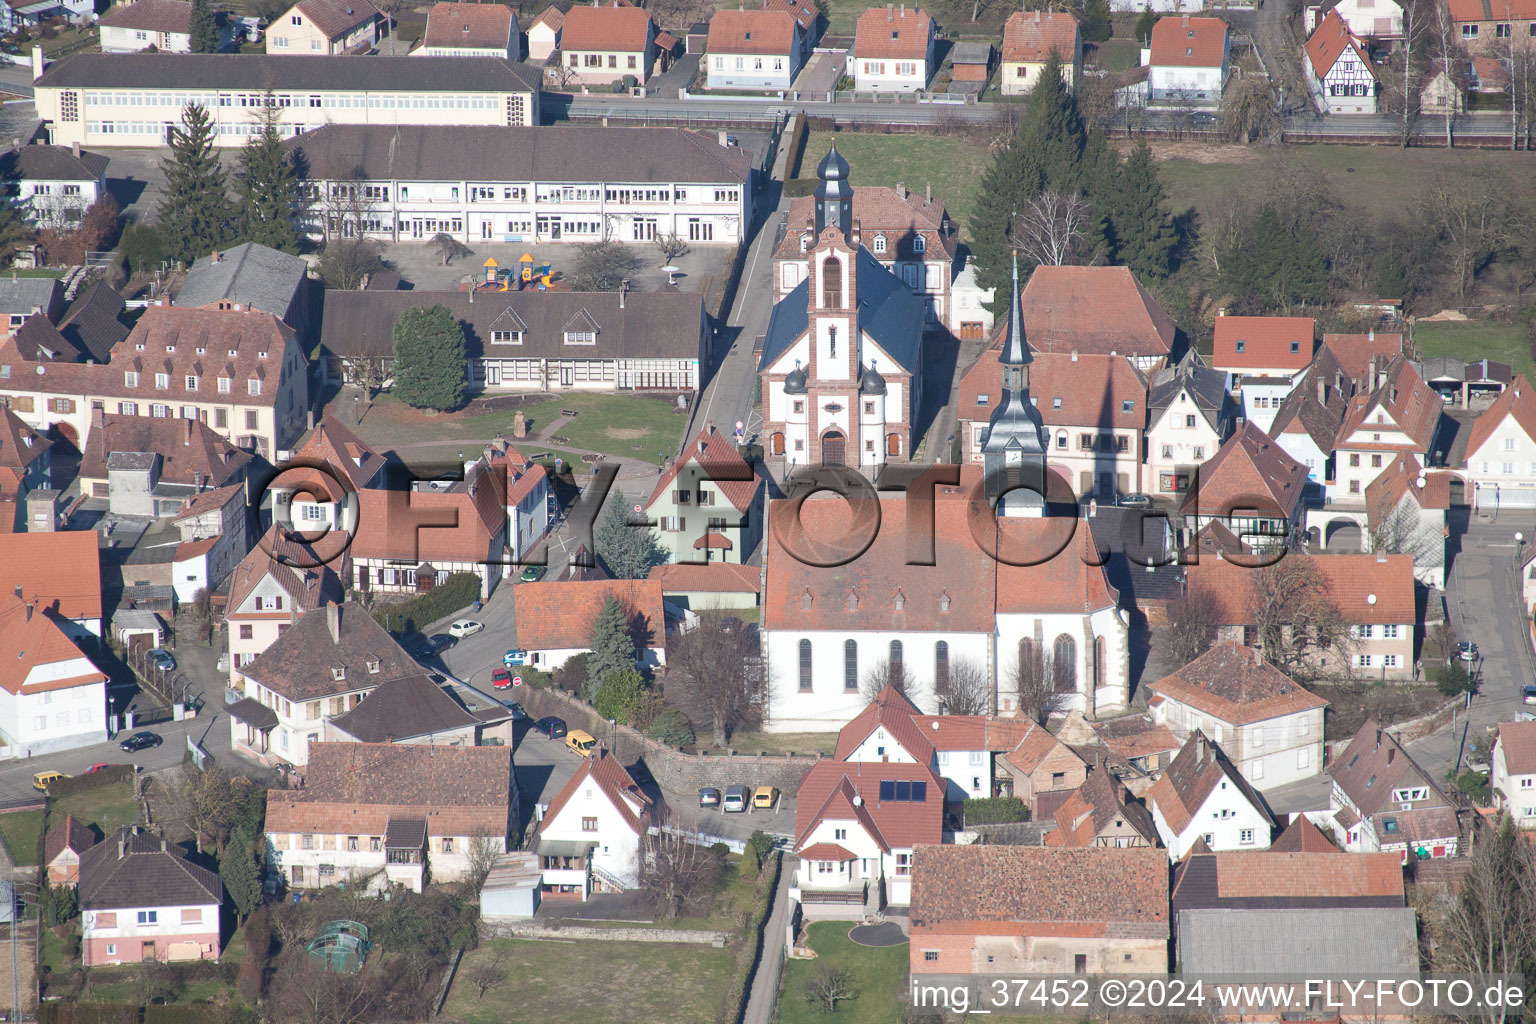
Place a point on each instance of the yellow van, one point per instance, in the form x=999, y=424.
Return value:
x=42, y=780
x=764, y=797
x=581, y=742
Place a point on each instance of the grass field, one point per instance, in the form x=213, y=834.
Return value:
x=1374, y=180
x=107, y=807
x=649, y=426
x=1119, y=54
x=878, y=977
x=953, y=165
x=22, y=830
x=1502, y=342
x=582, y=982
x=778, y=742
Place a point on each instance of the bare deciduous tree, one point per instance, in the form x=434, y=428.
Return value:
x=714, y=673
x=885, y=673
x=602, y=266
x=488, y=973
x=481, y=854
x=209, y=800
x=369, y=372
x=671, y=246
x=677, y=874
x=1034, y=680
x=1052, y=229
x=827, y=986
x=1294, y=615
x=1250, y=108
x=1192, y=623
x=967, y=690
x=1470, y=210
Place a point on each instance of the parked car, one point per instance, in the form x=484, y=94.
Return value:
x=1466, y=650
x=1528, y=694
x=1478, y=763
x=501, y=679
x=532, y=573
x=98, y=766
x=42, y=780
x=518, y=714
x=465, y=627
x=709, y=796
x=764, y=797
x=551, y=726
x=1525, y=716
x=580, y=741
x=162, y=659
x=735, y=799
x=1203, y=119
x=140, y=741
x=1135, y=501
x=516, y=656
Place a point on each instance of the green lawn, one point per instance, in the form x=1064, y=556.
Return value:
x=1504, y=343
x=952, y=164
x=1119, y=54
x=879, y=978
x=120, y=985
x=626, y=426
x=777, y=742
x=584, y=982
x=1373, y=180
x=106, y=807
x=22, y=830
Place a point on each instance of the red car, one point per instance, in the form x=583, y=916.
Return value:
x=99, y=766
x=501, y=679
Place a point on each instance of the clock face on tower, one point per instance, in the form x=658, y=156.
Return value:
x=1015, y=457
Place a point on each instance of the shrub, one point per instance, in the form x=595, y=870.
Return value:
x=618, y=696
x=419, y=612
x=995, y=810
x=671, y=728
x=143, y=247
x=94, y=780
x=1453, y=680
x=572, y=676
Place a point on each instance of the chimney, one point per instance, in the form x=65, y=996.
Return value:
x=98, y=417
x=74, y=147
x=901, y=189
x=29, y=611
x=37, y=63
x=122, y=843
x=929, y=191
x=333, y=622
x=1037, y=16
x=1378, y=740
x=890, y=12
x=1370, y=335
x=1239, y=421
x=217, y=256
x=1322, y=391
x=186, y=432
x=1185, y=21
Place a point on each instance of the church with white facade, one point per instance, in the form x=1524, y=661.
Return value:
x=842, y=360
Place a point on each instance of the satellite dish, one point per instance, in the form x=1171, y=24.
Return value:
x=1370, y=599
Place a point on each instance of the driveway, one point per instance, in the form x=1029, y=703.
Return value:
x=820, y=74
x=679, y=76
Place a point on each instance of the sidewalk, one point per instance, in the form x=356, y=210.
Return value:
x=765, y=980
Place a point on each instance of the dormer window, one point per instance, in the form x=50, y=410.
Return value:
x=170, y=349
x=901, y=600
x=140, y=348
x=226, y=385
x=130, y=379
x=944, y=601
x=338, y=672
x=879, y=244
x=261, y=355
x=806, y=599
x=580, y=337
x=805, y=242
x=162, y=380
x=919, y=244
x=253, y=387
x=506, y=337
x=853, y=602
x=373, y=665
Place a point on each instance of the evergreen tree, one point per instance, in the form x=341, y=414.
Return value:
x=204, y=28
x=628, y=551
x=429, y=359
x=618, y=696
x=195, y=215
x=1100, y=187
x=1005, y=186
x=1096, y=26
x=1144, y=235
x=1144, y=26
x=1276, y=268
x=1053, y=132
x=613, y=648
x=240, y=872
x=271, y=194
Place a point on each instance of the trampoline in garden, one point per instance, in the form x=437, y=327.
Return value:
x=341, y=946
x=886, y=933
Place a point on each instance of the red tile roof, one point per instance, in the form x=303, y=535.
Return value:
x=1372, y=765
x=613, y=28
x=1087, y=390
x=32, y=641
x=1093, y=309
x=804, y=12
x=335, y=445
x=1092, y=806
x=708, y=577
x=1283, y=342
x=1031, y=36
x=1411, y=407
x=338, y=17
x=1036, y=890
x=475, y=26
x=20, y=445
x=552, y=16
x=1518, y=741
x=1301, y=836
x=758, y=32
x=826, y=851
x=60, y=571
x=1194, y=774
x=467, y=525
x=1235, y=684
x=901, y=215
x=303, y=572
x=1184, y=41
x=1518, y=401
x=72, y=834
x=1266, y=874
x=1354, y=352
x=1068, y=579
x=558, y=615
x=1249, y=471
x=208, y=501
x=893, y=33
x=191, y=452
x=713, y=458
x=1375, y=589
x=893, y=712
x=149, y=16
x=1328, y=43
x=1489, y=10
x=831, y=788
x=604, y=770
x=1135, y=736
x=1033, y=748
x=878, y=590
x=972, y=732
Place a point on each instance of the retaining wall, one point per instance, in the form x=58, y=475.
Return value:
x=529, y=930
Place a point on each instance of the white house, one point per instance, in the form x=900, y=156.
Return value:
x=52, y=696
x=1406, y=511
x=544, y=33
x=757, y=49
x=1501, y=452
x=1341, y=75
x=1270, y=725
x=589, y=837
x=276, y=583
x=1307, y=422
x=602, y=45
x=1202, y=796
x=142, y=898
x=1383, y=801
x=34, y=12
x=1189, y=414
x=712, y=485
x=1395, y=414
x=1514, y=771
x=371, y=814
x=554, y=618
x=470, y=30
x=892, y=50
x=55, y=185
x=1381, y=20
x=213, y=541
x=1029, y=39
x=1188, y=60
x=325, y=27
x=135, y=26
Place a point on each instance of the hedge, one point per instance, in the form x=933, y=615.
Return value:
x=92, y=780
x=89, y=1013
x=995, y=810
x=795, y=188
x=458, y=592
x=749, y=953
x=797, y=140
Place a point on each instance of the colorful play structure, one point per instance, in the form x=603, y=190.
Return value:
x=526, y=275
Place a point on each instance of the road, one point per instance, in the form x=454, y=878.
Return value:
x=770, y=959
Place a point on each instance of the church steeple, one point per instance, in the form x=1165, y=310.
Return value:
x=1013, y=455
x=834, y=194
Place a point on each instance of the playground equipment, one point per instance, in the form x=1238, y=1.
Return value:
x=341, y=947
x=501, y=279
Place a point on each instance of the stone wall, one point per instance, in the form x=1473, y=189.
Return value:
x=568, y=933
x=673, y=769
